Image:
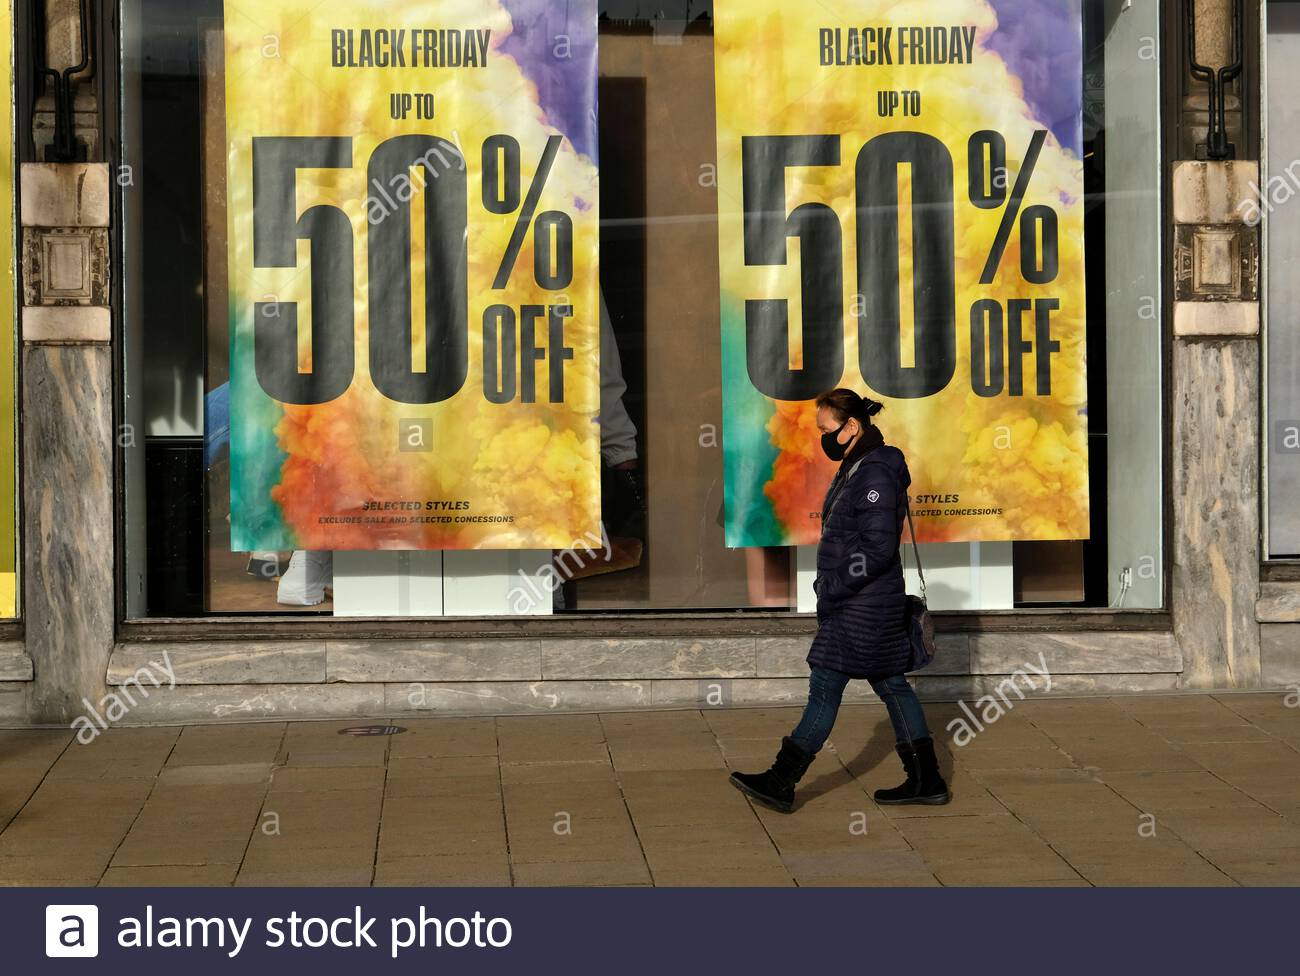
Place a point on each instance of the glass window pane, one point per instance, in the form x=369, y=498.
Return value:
x=1282, y=249
x=662, y=476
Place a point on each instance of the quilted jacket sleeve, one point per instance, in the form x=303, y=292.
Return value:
x=875, y=501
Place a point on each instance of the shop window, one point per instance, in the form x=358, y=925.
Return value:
x=1281, y=170
x=8, y=345
x=664, y=492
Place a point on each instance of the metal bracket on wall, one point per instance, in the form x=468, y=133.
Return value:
x=66, y=147
x=1216, y=145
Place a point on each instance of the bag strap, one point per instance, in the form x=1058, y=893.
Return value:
x=839, y=491
x=911, y=530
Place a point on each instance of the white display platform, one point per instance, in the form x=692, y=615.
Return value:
x=438, y=583
x=958, y=575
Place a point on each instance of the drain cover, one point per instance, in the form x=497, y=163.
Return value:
x=372, y=730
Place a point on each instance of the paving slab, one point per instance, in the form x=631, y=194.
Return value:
x=1239, y=827
x=553, y=749
x=227, y=744
x=445, y=737
x=710, y=876
x=192, y=852
x=867, y=868
x=213, y=774
x=708, y=809
x=448, y=870
x=1174, y=789
x=1026, y=868
x=407, y=830
x=327, y=779
x=697, y=752
x=626, y=872
x=171, y=876
x=1177, y=709
x=545, y=838
x=38, y=838
x=594, y=770
x=1120, y=867
x=55, y=870
x=1168, y=789
x=652, y=724
x=1267, y=866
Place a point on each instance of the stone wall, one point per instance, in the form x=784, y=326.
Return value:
x=67, y=442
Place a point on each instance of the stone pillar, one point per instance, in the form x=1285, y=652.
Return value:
x=1215, y=377
x=1215, y=373
x=67, y=424
x=66, y=405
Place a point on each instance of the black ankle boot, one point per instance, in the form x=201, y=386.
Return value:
x=776, y=786
x=924, y=783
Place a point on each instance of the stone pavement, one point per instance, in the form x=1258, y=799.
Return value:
x=1169, y=790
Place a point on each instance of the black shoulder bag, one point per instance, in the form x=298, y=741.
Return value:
x=916, y=613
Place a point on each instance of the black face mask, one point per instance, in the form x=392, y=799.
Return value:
x=833, y=448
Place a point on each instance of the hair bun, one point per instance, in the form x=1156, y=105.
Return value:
x=846, y=403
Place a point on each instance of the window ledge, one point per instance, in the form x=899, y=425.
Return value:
x=1063, y=657
x=1279, y=602
x=692, y=625
x=15, y=663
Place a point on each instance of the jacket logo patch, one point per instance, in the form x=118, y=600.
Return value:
x=873, y=495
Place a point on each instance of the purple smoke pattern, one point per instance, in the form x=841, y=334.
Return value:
x=1041, y=41
x=551, y=39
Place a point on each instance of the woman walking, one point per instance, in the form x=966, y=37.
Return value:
x=860, y=602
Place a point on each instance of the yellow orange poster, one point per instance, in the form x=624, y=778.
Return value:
x=901, y=212
x=413, y=269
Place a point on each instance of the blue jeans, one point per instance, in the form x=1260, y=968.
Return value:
x=826, y=688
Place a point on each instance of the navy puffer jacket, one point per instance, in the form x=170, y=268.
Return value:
x=859, y=585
